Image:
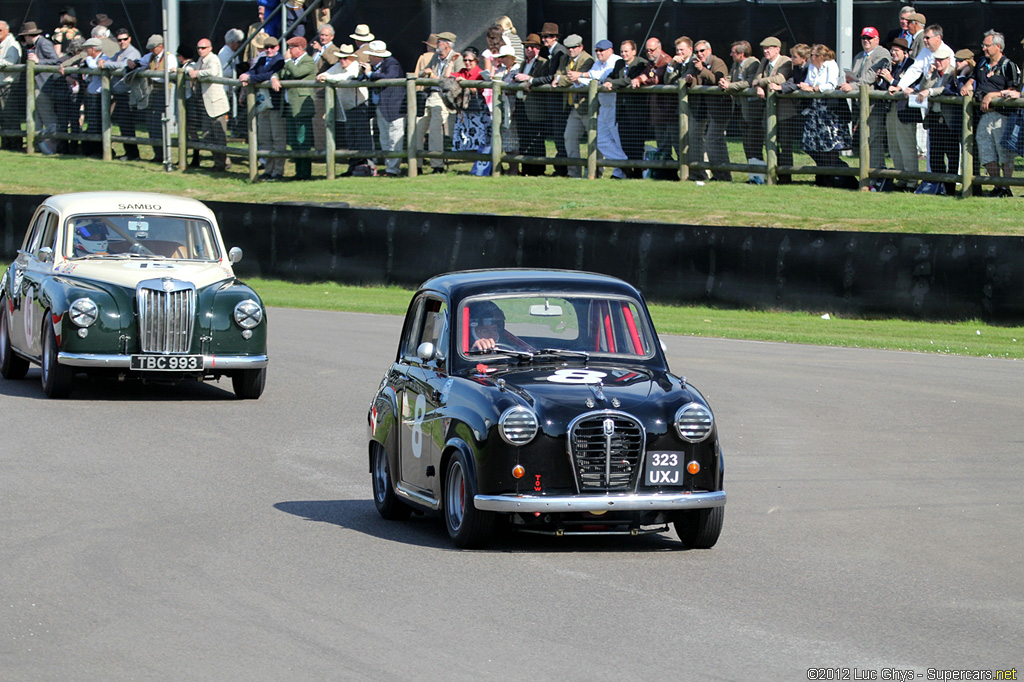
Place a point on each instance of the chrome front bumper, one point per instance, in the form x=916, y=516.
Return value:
x=210, y=362
x=592, y=503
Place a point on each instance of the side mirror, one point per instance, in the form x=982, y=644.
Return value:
x=46, y=254
x=425, y=351
x=234, y=255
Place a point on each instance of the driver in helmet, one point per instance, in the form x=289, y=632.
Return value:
x=487, y=328
x=90, y=238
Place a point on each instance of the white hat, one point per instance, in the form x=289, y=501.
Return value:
x=377, y=48
x=362, y=33
x=506, y=51
x=944, y=52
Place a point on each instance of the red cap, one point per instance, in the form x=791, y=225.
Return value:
x=297, y=41
x=870, y=31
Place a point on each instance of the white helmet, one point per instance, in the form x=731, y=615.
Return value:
x=90, y=238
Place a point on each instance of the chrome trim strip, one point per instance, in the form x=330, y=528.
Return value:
x=586, y=503
x=418, y=498
x=210, y=362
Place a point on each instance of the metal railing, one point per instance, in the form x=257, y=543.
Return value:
x=589, y=160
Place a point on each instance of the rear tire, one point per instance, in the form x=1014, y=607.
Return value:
x=700, y=528
x=12, y=366
x=58, y=380
x=248, y=383
x=388, y=505
x=467, y=526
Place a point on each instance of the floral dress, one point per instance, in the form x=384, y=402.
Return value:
x=825, y=129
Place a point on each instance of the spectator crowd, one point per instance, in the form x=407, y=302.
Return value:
x=634, y=123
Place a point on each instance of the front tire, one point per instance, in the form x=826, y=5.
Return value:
x=58, y=380
x=248, y=383
x=388, y=505
x=700, y=528
x=467, y=526
x=12, y=366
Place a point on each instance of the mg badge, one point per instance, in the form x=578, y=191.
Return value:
x=609, y=427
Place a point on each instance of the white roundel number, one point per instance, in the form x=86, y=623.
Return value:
x=418, y=413
x=577, y=376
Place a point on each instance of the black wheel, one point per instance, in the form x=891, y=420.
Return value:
x=248, y=383
x=700, y=528
x=57, y=379
x=467, y=525
x=384, y=498
x=11, y=366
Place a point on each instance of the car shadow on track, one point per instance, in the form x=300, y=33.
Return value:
x=427, y=530
x=103, y=389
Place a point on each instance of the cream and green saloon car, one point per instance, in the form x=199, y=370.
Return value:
x=129, y=285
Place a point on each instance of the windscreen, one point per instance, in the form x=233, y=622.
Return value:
x=147, y=236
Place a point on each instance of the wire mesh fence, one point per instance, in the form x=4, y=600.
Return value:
x=659, y=132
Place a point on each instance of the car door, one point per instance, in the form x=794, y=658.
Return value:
x=421, y=395
x=35, y=263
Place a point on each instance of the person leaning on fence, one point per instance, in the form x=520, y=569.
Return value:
x=742, y=71
x=995, y=76
x=48, y=85
x=325, y=55
x=774, y=68
x=530, y=114
x=790, y=110
x=352, y=111
x=900, y=120
x=710, y=70
x=156, y=59
x=942, y=121
x=298, y=106
x=825, y=131
x=271, y=129
x=866, y=65
x=214, y=111
x=505, y=69
x=472, y=130
x=12, y=111
x=608, y=144
x=231, y=65
x=124, y=115
x=576, y=100
x=630, y=109
x=662, y=117
x=558, y=108
x=434, y=120
x=683, y=69
x=390, y=103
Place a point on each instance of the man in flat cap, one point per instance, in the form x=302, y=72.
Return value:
x=578, y=109
x=774, y=68
x=915, y=24
x=435, y=114
x=157, y=59
x=866, y=65
x=298, y=108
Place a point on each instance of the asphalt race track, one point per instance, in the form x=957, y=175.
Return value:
x=874, y=523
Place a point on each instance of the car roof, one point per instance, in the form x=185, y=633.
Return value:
x=127, y=202
x=459, y=285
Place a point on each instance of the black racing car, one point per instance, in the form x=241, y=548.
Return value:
x=542, y=399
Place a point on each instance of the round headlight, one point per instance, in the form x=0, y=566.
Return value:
x=248, y=314
x=517, y=425
x=694, y=422
x=83, y=312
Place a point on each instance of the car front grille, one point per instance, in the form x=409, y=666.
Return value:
x=605, y=448
x=167, y=311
